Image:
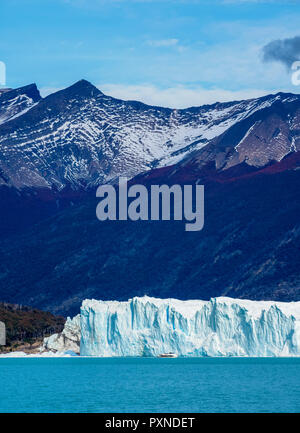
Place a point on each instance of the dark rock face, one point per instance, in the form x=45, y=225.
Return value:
x=248, y=248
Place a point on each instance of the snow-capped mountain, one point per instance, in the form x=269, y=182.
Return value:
x=15, y=102
x=265, y=136
x=265, y=141
x=80, y=136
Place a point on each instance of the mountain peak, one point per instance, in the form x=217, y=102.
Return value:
x=84, y=87
x=29, y=90
x=14, y=102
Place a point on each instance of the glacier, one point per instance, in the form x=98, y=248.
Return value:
x=146, y=326
x=66, y=341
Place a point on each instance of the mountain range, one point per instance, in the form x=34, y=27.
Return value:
x=55, y=151
x=80, y=137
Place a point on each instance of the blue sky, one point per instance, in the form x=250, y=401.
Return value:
x=166, y=52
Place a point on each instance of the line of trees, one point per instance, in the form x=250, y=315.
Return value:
x=26, y=324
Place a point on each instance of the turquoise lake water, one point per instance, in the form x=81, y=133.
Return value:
x=149, y=385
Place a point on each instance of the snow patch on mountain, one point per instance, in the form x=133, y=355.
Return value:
x=80, y=136
x=16, y=102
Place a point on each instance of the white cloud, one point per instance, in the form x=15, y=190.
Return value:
x=233, y=63
x=163, y=42
x=45, y=91
x=173, y=97
x=178, y=96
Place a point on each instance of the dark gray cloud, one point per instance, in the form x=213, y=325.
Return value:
x=285, y=51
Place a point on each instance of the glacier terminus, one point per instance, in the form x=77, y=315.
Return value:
x=146, y=326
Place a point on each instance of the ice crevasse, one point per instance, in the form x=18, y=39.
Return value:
x=145, y=326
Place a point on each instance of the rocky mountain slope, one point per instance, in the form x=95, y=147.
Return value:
x=81, y=137
x=15, y=102
x=248, y=248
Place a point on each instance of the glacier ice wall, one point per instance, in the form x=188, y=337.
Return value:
x=220, y=327
x=67, y=340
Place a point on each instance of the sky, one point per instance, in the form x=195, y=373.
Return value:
x=175, y=53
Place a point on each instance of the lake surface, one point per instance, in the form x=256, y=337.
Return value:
x=150, y=385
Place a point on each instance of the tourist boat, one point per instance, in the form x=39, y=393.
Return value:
x=168, y=355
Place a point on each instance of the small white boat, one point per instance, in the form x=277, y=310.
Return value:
x=168, y=355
